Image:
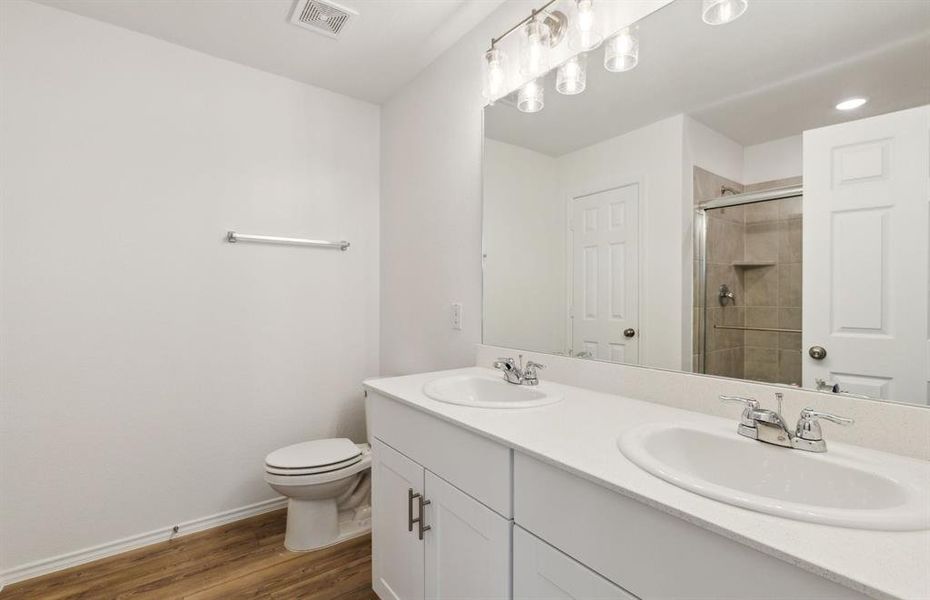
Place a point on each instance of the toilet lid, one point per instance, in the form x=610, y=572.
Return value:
x=318, y=453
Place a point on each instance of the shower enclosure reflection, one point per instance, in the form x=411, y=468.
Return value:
x=752, y=248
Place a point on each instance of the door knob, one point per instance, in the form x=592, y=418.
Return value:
x=817, y=352
x=629, y=332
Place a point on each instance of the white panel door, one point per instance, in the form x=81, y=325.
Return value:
x=865, y=281
x=604, y=313
x=467, y=546
x=540, y=572
x=397, y=552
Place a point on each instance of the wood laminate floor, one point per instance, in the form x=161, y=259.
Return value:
x=245, y=559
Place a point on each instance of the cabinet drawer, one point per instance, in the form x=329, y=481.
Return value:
x=648, y=552
x=540, y=572
x=472, y=463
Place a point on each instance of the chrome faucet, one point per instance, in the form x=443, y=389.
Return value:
x=770, y=427
x=519, y=374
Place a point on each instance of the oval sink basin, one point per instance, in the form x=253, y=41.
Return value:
x=806, y=486
x=485, y=392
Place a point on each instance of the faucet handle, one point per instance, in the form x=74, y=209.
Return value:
x=809, y=425
x=749, y=402
x=505, y=361
x=529, y=372
x=752, y=404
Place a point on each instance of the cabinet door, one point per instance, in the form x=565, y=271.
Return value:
x=540, y=572
x=397, y=552
x=467, y=546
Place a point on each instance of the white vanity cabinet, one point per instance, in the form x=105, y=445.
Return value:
x=430, y=538
x=500, y=524
x=540, y=572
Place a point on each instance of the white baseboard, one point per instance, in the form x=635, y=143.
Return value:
x=79, y=557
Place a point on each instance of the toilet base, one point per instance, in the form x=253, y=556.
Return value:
x=316, y=524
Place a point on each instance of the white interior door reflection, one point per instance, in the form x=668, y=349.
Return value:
x=865, y=248
x=603, y=314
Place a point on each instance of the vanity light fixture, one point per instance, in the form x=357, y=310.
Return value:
x=570, y=79
x=622, y=51
x=584, y=34
x=534, y=48
x=851, y=104
x=542, y=30
x=545, y=28
x=530, y=97
x=721, y=12
x=494, y=74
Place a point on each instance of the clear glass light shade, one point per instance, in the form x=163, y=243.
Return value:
x=584, y=31
x=570, y=79
x=494, y=74
x=719, y=12
x=622, y=51
x=534, y=49
x=530, y=97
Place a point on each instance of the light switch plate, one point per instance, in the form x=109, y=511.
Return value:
x=457, y=316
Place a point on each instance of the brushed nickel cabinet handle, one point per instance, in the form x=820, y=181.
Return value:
x=422, y=528
x=410, y=519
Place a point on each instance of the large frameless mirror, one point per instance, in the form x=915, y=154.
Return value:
x=746, y=200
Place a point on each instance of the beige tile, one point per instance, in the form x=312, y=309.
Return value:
x=762, y=317
x=761, y=286
x=789, y=241
x=789, y=318
x=761, y=364
x=734, y=214
x=725, y=242
x=789, y=367
x=762, y=241
x=725, y=363
x=789, y=208
x=789, y=285
x=772, y=184
x=761, y=212
x=721, y=339
x=707, y=185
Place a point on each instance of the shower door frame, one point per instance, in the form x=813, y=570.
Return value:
x=700, y=247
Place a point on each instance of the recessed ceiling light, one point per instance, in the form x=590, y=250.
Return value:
x=851, y=104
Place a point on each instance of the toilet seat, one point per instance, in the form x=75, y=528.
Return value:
x=318, y=453
x=316, y=458
x=292, y=479
x=312, y=470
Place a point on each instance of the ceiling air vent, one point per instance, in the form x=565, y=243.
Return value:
x=321, y=16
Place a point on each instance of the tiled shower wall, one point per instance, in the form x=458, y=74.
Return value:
x=724, y=352
x=756, y=250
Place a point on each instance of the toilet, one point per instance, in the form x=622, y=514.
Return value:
x=328, y=486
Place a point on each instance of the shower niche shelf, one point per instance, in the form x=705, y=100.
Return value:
x=753, y=264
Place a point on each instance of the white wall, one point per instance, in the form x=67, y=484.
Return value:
x=524, y=247
x=712, y=151
x=431, y=138
x=148, y=366
x=778, y=159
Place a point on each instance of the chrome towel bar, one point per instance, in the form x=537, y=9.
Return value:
x=772, y=329
x=232, y=237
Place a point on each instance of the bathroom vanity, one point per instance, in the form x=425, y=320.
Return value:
x=540, y=502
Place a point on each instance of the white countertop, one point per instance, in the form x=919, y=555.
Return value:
x=579, y=434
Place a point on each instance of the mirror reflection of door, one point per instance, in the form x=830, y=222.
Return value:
x=866, y=253
x=604, y=278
